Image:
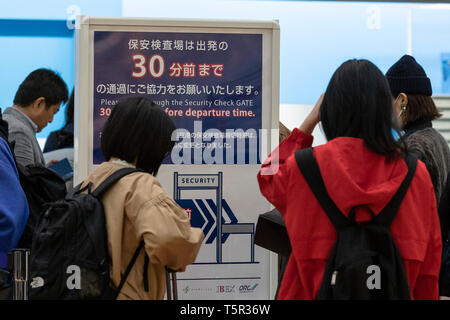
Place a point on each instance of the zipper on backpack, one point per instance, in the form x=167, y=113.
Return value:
x=333, y=277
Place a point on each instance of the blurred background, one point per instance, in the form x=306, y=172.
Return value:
x=316, y=37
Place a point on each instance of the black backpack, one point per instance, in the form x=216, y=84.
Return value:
x=364, y=263
x=69, y=257
x=40, y=185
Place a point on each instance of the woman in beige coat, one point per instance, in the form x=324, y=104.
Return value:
x=138, y=134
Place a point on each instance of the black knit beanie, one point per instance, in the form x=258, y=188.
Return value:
x=407, y=76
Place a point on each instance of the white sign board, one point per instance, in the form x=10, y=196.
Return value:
x=218, y=81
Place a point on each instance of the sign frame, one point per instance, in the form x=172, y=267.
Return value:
x=84, y=82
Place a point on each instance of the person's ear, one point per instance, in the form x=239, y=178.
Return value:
x=403, y=98
x=39, y=103
x=403, y=101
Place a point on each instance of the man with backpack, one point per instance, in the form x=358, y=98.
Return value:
x=13, y=204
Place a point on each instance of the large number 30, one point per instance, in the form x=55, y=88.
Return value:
x=140, y=69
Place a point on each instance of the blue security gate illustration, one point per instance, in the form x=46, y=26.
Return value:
x=205, y=219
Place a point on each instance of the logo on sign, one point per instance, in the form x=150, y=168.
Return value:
x=247, y=288
x=225, y=289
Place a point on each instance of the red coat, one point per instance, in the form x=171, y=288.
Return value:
x=353, y=175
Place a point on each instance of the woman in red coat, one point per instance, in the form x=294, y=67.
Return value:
x=361, y=165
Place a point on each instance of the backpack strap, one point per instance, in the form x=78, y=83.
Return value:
x=98, y=192
x=311, y=172
x=113, y=178
x=146, y=262
x=387, y=215
x=129, y=267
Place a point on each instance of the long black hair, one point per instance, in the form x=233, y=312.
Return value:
x=358, y=103
x=138, y=130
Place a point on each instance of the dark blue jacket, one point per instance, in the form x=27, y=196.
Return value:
x=13, y=202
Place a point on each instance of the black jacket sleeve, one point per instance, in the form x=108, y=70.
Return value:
x=444, y=211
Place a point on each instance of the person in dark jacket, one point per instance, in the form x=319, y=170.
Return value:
x=13, y=203
x=444, y=218
x=411, y=89
x=59, y=144
x=63, y=138
x=362, y=166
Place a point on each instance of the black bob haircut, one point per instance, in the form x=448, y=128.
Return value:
x=42, y=83
x=138, y=130
x=358, y=103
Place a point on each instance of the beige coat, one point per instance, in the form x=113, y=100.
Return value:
x=137, y=208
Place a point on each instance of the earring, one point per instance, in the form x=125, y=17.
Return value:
x=403, y=107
